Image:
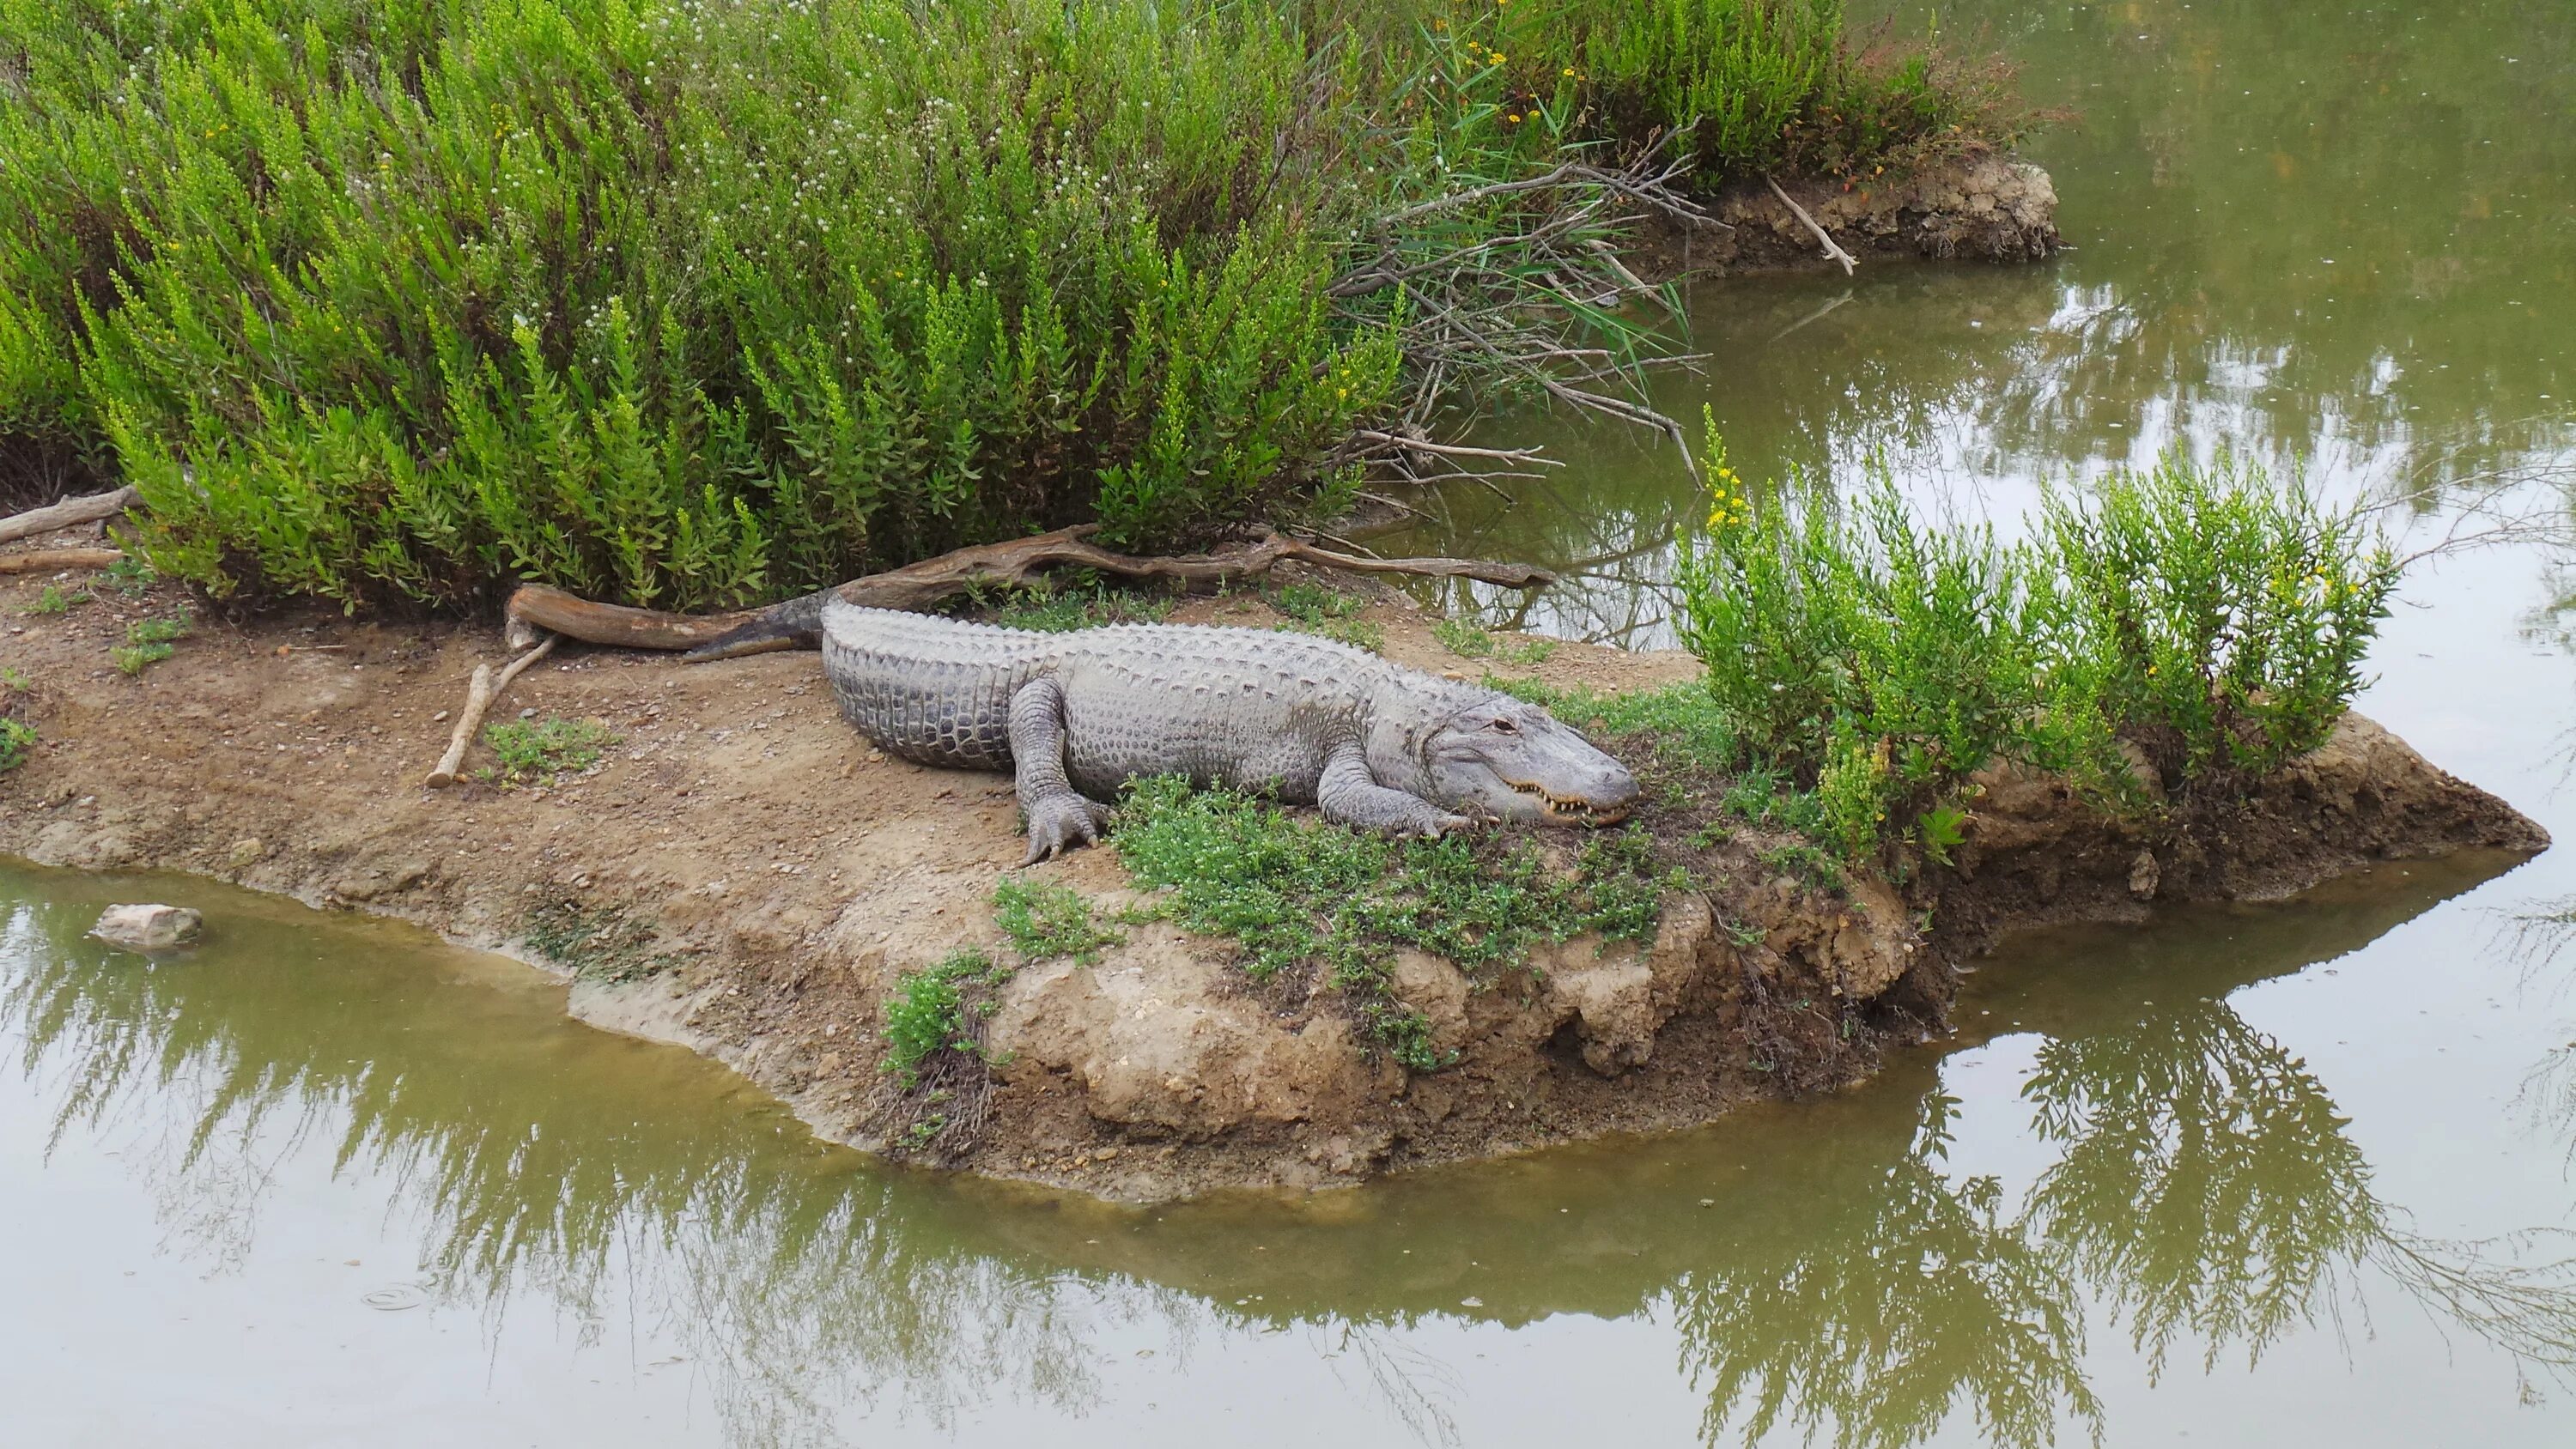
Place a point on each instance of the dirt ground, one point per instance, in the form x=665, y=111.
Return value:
x=777, y=874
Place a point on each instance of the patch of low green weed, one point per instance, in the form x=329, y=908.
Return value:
x=1314, y=609
x=17, y=739
x=1471, y=641
x=55, y=600
x=147, y=642
x=15, y=679
x=1809, y=863
x=1048, y=921
x=1297, y=893
x=1463, y=639
x=543, y=751
x=595, y=944
x=927, y=1015
x=1060, y=607
x=131, y=575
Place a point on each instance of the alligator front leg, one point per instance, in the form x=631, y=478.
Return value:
x=1350, y=795
x=1060, y=817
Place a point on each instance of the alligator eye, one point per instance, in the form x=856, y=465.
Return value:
x=1507, y=727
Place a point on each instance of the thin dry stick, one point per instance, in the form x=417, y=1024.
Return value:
x=66, y=513
x=47, y=560
x=1823, y=237
x=479, y=695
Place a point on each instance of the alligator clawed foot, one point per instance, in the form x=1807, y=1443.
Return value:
x=1440, y=825
x=1058, y=823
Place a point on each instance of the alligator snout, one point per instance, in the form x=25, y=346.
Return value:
x=1604, y=798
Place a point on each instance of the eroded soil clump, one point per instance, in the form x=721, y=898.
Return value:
x=737, y=870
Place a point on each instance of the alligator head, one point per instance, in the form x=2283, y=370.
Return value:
x=1500, y=758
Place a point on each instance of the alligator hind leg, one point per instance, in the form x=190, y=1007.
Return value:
x=1350, y=795
x=1060, y=817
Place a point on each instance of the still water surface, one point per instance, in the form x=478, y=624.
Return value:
x=2254, y=1176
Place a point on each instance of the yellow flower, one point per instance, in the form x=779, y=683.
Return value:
x=1512, y=116
x=1500, y=58
x=1569, y=70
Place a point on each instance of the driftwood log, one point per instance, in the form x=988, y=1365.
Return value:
x=1018, y=561
x=70, y=511
x=47, y=560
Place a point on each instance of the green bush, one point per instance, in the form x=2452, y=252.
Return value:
x=1769, y=85
x=674, y=305
x=693, y=305
x=2206, y=615
x=2219, y=621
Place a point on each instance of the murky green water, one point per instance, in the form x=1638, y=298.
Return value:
x=2260, y=1176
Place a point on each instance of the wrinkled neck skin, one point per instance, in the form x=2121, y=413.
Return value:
x=1399, y=724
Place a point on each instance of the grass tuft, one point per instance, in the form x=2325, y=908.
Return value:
x=1314, y=609
x=595, y=944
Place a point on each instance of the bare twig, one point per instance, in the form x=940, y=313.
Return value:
x=1824, y=238
x=479, y=694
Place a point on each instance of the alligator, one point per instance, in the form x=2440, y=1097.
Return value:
x=1074, y=716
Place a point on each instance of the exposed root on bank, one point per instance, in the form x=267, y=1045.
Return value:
x=1017, y=562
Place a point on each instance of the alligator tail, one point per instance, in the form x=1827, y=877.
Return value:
x=795, y=624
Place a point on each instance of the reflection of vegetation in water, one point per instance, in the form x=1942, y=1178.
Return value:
x=805, y=1295
x=1888, y=1308
x=2202, y=1188
x=2204, y=1191
x=2206, y=1185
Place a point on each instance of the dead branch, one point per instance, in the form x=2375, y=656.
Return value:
x=66, y=513
x=1018, y=561
x=1824, y=238
x=47, y=560
x=479, y=694
x=1459, y=450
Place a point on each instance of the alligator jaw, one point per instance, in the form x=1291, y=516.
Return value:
x=1571, y=810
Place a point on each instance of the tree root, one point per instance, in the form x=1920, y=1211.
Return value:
x=1018, y=561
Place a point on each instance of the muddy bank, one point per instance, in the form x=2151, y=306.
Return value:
x=769, y=875
x=1980, y=207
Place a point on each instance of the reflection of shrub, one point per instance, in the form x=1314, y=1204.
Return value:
x=2205, y=615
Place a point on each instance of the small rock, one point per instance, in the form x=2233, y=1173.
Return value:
x=436, y=718
x=2144, y=876
x=244, y=851
x=148, y=927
